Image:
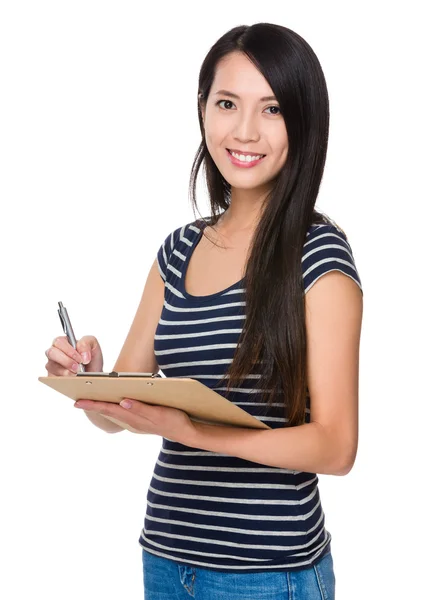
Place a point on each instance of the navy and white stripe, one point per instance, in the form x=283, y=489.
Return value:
x=212, y=510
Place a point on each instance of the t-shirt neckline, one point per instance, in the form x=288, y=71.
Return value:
x=191, y=297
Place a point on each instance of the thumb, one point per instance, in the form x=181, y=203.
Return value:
x=90, y=350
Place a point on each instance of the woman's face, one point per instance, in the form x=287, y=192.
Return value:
x=250, y=124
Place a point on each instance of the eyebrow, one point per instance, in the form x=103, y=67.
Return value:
x=227, y=93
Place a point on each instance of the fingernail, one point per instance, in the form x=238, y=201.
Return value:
x=126, y=403
x=75, y=367
x=85, y=358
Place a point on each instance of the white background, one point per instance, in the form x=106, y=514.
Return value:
x=98, y=130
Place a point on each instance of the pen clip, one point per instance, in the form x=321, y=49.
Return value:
x=61, y=317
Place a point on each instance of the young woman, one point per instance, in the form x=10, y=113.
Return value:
x=238, y=301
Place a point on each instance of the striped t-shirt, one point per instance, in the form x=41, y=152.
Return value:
x=213, y=510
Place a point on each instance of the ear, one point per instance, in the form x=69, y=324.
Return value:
x=202, y=105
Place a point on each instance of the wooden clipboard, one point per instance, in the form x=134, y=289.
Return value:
x=200, y=402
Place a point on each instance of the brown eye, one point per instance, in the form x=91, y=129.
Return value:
x=277, y=108
x=220, y=101
x=230, y=102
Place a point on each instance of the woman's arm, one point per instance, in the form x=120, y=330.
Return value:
x=328, y=444
x=137, y=354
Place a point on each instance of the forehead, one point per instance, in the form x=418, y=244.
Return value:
x=236, y=73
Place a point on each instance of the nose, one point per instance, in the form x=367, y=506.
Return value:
x=246, y=128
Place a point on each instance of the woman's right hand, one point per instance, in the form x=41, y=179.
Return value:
x=64, y=360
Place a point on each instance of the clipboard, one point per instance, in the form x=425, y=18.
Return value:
x=200, y=403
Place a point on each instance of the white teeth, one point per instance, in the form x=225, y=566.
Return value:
x=245, y=158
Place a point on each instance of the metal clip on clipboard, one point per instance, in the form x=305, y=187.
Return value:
x=117, y=374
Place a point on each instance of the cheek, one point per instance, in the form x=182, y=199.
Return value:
x=214, y=139
x=282, y=152
x=281, y=158
x=216, y=129
x=210, y=144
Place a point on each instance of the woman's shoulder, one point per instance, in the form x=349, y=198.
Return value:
x=322, y=222
x=179, y=231
x=327, y=249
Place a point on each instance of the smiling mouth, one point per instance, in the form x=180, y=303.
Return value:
x=243, y=163
x=246, y=153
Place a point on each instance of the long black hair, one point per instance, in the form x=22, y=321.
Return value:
x=274, y=333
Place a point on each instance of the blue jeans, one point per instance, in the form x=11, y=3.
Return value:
x=165, y=579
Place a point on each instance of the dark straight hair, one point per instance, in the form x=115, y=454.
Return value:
x=274, y=334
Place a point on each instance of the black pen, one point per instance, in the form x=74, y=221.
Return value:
x=68, y=329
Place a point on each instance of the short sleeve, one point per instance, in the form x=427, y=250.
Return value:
x=327, y=249
x=164, y=254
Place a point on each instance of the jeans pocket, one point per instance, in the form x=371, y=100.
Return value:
x=324, y=571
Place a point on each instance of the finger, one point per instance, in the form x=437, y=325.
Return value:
x=56, y=370
x=109, y=409
x=141, y=409
x=93, y=405
x=57, y=356
x=87, y=346
x=61, y=343
x=142, y=412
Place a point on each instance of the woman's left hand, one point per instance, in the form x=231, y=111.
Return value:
x=168, y=422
